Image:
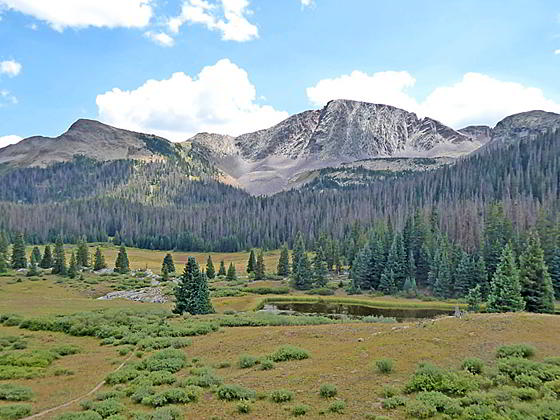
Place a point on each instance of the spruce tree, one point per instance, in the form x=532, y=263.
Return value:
x=536, y=285
x=284, y=262
x=210, y=270
x=396, y=261
x=82, y=254
x=19, y=260
x=320, y=269
x=121, y=264
x=192, y=295
x=362, y=269
x=410, y=286
x=299, y=250
x=47, y=260
x=33, y=270
x=231, y=273
x=164, y=273
x=252, y=263
x=168, y=263
x=387, y=284
x=35, y=255
x=73, y=266
x=505, y=289
x=440, y=275
x=59, y=263
x=3, y=263
x=4, y=245
x=474, y=298
x=303, y=273
x=480, y=277
x=222, y=270
x=464, y=276
x=337, y=258
x=554, y=270
x=260, y=267
x=99, y=261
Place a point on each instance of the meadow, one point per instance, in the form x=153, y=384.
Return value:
x=58, y=343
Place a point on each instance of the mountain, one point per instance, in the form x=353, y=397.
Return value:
x=343, y=132
x=525, y=125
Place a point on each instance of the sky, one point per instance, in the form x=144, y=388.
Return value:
x=178, y=67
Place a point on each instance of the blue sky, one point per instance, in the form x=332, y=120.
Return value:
x=234, y=66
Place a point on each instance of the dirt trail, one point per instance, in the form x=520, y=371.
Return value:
x=75, y=400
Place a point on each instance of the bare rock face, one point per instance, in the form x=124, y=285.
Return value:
x=480, y=133
x=526, y=125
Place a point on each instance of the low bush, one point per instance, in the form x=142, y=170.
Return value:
x=161, y=378
x=552, y=361
x=122, y=376
x=514, y=367
x=235, y=392
x=20, y=372
x=246, y=361
x=171, y=360
x=173, y=396
x=384, y=365
x=328, y=391
x=243, y=407
x=268, y=290
x=12, y=392
x=14, y=411
x=66, y=350
x=79, y=415
x=286, y=353
x=107, y=395
x=374, y=319
x=142, y=392
x=205, y=380
x=441, y=403
x=222, y=365
x=516, y=350
x=266, y=364
x=281, y=396
x=528, y=381
x=393, y=402
x=432, y=378
x=300, y=410
x=63, y=372
x=12, y=343
x=104, y=408
x=420, y=409
x=337, y=407
x=389, y=391
x=473, y=365
x=322, y=291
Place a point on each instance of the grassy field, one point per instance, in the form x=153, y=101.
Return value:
x=341, y=353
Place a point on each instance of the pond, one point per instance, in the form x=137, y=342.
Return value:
x=342, y=310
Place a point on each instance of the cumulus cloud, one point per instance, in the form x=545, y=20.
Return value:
x=10, y=67
x=7, y=140
x=557, y=52
x=160, y=38
x=220, y=99
x=60, y=14
x=6, y=98
x=306, y=3
x=475, y=99
x=226, y=16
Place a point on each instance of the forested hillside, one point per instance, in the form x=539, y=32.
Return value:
x=168, y=205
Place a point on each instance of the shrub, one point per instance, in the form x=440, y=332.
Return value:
x=384, y=365
x=243, y=407
x=374, y=319
x=337, y=407
x=161, y=378
x=554, y=387
x=266, y=364
x=142, y=392
x=102, y=396
x=516, y=350
x=528, y=381
x=161, y=413
x=171, y=360
x=205, y=381
x=11, y=392
x=173, y=396
x=440, y=402
x=328, y=391
x=322, y=291
x=389, y=391
x=222, y=365
x=393, y=402
x=432, y=378
x=300, y=410
x=63, y=372
x=281, y=396
x=286, y=353
x=121, y=376
x=552, y=361
x=268, y=290
x=104, y=408
x=420, y=409
x=79, y=415
x=247, y=361
x=66, y=350
x=15, y=411
x=513, y=367
x=473, y=365
x=20, y=372
x=234, y=392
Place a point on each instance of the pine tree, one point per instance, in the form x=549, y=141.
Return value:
x=410, y=286
x=99, y=262
x=464, y=276
x=19, y=260
x=396, y=261
x=536, y=284
x=47, y=260
x=3, y=263
x=222, y=270
x=260, y=267
x=35, y=255
x=73, y=266
x=168, y=263
x=320, y=269
x=362, y=269
x=440, y=275
x=82, y=254
x=210, y=270
x=505, y=289
x=4, y=245
x=554, y=270
x=474, y=298
x=303, y=274
x=33, y=270
x=192, y=295
x=231, y=273
x=121, y=264
x=164, y=273
x=299, y=250
x=284, y=262
x=387, y=284
x=337, y=258
x=252, y=263
x=480, y=277
x=59, y=263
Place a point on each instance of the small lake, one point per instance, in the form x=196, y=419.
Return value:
x=341, y=310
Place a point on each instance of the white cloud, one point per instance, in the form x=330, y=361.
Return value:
x=475, y=99
x=220, y=99
x=227, y=16
x=160, y=38
x=306, y=3
x=557, y=52
x=6, y=98
x=7, y=140
x=61, y=14
x=10, y=67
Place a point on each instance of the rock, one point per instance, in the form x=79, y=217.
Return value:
x=147, y=294
x=360, y=340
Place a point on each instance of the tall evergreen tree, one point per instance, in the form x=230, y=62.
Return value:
x=362, y=269
x=252, y=262
x=260, y=267
x=222, y=270
x=505, y=289
x=320, y=269
x=59, y=263
x=464, y=276
x=4, y=245
x=474, y=298
x=73, y=266
x=19, y=260
x=35, y=255
x=3, y=263
x=303, y=273
x=168, y=262
x=554, y=270
x=99, y=260
x=299, y=250
x=210, y=270
x=536, y=285
x=122, y=265
x=192, y=295
x=284, y=262
x=47, y=260
x=387, y=284
x=33, y=271
x=396, y=261
x=480, y=277
x=497, y=233
x=82, y=254
x=231, y=273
